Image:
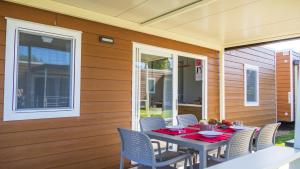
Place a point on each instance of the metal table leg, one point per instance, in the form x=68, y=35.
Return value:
x=202, y=159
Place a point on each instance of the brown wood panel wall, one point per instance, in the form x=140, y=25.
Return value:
x=89, y=141
x=234, y=85
x=283, y=75
x=190, y=110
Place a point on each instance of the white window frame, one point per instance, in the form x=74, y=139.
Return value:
x=253, y=68
x=154, y=80
x=10, y=111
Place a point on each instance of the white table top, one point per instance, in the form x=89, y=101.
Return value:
x=269, y=158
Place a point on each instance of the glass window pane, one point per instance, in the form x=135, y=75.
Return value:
x=44, y=71
x=151, y=85
x=156, y=96
x=251, y=86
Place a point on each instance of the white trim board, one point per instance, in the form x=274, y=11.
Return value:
x=292, y=85
x=222, y=84
x=297, y=118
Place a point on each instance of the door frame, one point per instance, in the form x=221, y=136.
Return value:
x=137, y=48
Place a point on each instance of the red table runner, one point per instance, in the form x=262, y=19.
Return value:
x=200, y=137
x=175, y=133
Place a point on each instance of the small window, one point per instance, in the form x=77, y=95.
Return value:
x=42, y=71
x=251, y=85
x=151, y=85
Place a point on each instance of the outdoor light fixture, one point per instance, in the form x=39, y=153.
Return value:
x=106, y=39
x=46, y=39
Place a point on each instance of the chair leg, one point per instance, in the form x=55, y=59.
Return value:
x=122, y=163
x=167, y=148
x=185, y=164
x=219, y=152
x=191, y=163
x=195, y=158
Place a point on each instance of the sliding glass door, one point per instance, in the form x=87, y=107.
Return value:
x=158, y=76
x=190, y=86
x=154, y=85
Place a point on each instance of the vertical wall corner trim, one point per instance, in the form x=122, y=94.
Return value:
x=222, y=83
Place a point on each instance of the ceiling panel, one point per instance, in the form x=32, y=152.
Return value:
x=153, y=8
x=211, y=7
x=222, y=21
x=234, y=23
x=277, y=30
x=108, y=7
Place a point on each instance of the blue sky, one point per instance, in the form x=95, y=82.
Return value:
x=285, y=45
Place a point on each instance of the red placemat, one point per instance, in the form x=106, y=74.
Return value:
x=227, y=130
x=174, y=133
x=200, y=137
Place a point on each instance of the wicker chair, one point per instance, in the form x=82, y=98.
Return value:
x=266, y=136
x=153, y=123
x=187, y=119
x=136, y=146
x=238, y=145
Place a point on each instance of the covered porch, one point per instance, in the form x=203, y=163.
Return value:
x=117, y=62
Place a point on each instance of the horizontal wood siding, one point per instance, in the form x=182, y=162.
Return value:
x=190, y=110
x=234, y=85
x=91, y=140
x=283, y=75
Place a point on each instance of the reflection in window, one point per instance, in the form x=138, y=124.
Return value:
x=151, y=85
x=44, y=71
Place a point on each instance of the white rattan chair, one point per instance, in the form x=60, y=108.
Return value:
x=238, y=145
x=137, y=147
x=153, y=123
x=187, y=119
x=266, y=136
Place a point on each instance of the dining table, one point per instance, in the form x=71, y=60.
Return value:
x=185, y=140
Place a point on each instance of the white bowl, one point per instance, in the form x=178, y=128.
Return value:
x=238, y=127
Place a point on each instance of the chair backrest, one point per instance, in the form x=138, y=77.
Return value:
x=136, y=146
x=239, y=144
x=266, y=136
x=186, y=119
x=152, y=123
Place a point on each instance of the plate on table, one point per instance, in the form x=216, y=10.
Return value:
x=174, y=128
x=238, y=127
x=210, y=133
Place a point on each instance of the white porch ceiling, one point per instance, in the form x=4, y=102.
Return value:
x=226, y=22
